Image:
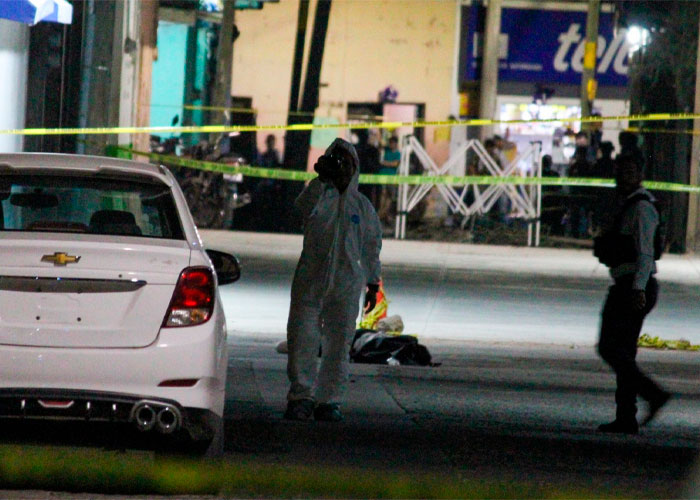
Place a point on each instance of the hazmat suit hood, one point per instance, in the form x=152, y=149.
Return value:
x=343, y=145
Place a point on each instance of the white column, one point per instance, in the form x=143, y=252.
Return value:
x=14, y=61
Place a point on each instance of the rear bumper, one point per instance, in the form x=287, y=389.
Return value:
x=133, y=374
x=73, y=405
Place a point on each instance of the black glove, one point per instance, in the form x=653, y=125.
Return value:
x=371, y=296
x=322, y=175
x=327, y=168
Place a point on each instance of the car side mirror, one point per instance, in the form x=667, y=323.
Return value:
x=227, y=267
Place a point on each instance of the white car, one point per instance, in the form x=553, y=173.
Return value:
x=109, y=307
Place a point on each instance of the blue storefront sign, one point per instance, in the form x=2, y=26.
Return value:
x=547, y=46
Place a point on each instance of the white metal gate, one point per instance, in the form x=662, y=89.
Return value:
x=525, y=198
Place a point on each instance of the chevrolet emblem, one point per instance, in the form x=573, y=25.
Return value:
x=60, y=259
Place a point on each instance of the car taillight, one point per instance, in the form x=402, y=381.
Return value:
x=193, y=298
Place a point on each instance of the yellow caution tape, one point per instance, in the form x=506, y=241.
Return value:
x=299, y=175
x=214, y=129
x=648, y=341
x=194, y=107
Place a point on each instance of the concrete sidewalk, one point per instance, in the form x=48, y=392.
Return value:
x=684, y=269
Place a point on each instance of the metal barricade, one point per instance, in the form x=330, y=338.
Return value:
x=526, y=199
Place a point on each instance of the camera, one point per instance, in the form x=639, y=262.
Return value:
x=328, y=166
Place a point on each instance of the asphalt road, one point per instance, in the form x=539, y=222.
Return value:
x=514, y=414
x=518, y=395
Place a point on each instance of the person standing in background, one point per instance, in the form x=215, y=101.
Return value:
x=271, y=157
x=368, y=153
x=629, y=248
x=267, y=193
x=391, y=159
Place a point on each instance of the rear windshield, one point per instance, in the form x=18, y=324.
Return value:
x=93, y=205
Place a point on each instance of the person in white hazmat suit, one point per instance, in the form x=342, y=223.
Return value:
x=342, y=241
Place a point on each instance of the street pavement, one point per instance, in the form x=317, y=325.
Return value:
x=506, y=414
x=519, y=391
x=520, y=417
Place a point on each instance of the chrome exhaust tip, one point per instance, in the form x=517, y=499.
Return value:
x=144, y=417
x=168, y=420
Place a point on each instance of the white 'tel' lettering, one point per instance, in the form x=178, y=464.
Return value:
x=612, y=50
x=565, y=41
x=621, y=65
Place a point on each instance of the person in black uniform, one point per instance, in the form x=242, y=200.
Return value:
x=629, y=249
x=369, y=155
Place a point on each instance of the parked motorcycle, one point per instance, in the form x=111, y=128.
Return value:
x=212, y=197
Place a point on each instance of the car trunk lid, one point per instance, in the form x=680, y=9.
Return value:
x=86, y=291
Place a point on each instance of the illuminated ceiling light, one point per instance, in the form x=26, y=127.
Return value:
x=637, y=37
x=634, y=35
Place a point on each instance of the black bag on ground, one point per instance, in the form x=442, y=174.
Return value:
x=370, y=346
